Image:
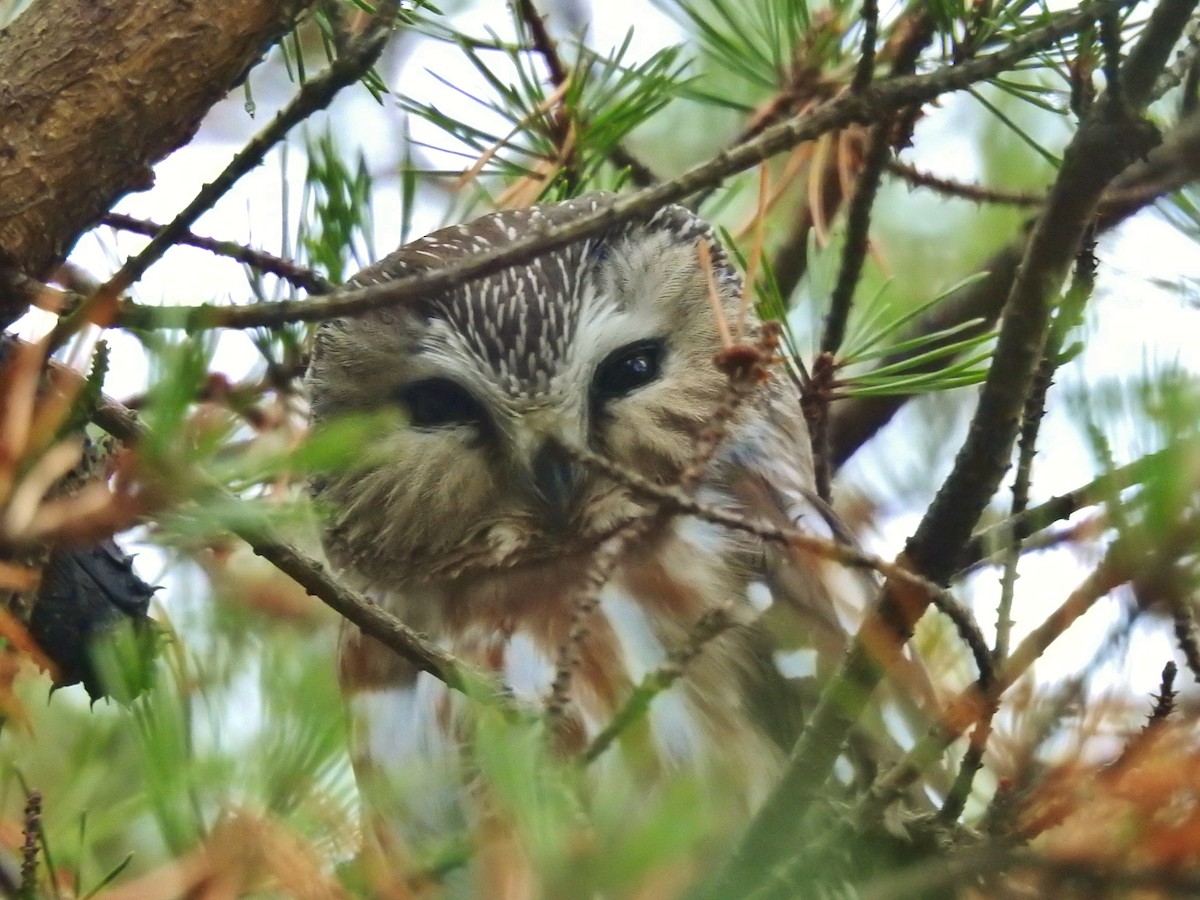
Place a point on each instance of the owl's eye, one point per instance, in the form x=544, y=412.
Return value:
x=438, y=402
x=627, y=369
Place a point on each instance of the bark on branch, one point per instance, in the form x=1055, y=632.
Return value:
x=93, y=92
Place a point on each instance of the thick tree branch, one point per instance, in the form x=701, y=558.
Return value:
x=315, y=94
x=117, y=85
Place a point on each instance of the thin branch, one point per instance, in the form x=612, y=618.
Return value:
x=542, y=42
x=1118, y=567
x=1031, y=420
x=911, y=34
x=972, y=704
x=1185, y=635
x=972, y=761
x=1063, y=506
x=976, y=193
x=545, y=45
x=707, y=628
x=672, y=499
x=936, y=875
x=28, y=889
x=854, y=255
x=858, y=223
x=1171, y=165
x=866, y=106
x=587, y=601
x=561, y=126
x=970, y=633
x=744, y=378
x=1164, y=706
x=865, y=70
x=303, y=278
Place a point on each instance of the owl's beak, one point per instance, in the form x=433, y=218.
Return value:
x=557, y=480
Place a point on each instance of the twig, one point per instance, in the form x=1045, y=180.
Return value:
x=1068, y=316
x=1117, y=568
x=314, y=95
x=545, y=45
x=854, y=254
x=1031, y=420
x=1164, y=706
x=912, y=33
x=587, y=601
x=858, y=221
x=708, y=627
x=371, y=618
x=865, y=70
x=560, y=120
x=976, y=193
x=742, y=380
x=1185, y=634
x=968, y=630
x=970, y=705
x=29, y=850
x=1065, y=505
x=674, y=500
x=865, y=106
x=972, y=761
x=1172, y=164
x=931, y=877
x=304, y=278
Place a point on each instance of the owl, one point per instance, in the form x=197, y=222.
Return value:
x=475, y=523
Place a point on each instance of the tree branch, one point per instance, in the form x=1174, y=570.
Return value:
x=373, y=619
x=869, y=105
x=1169, y=166
x=315, y=94
x=305, y=279
x=1101, y=148
x=164, y=64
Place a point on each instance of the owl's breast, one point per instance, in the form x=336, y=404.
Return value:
x=515, y=624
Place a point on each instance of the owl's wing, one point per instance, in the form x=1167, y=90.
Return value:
x=815, y=602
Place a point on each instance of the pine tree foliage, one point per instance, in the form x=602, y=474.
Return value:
x=1054, y=563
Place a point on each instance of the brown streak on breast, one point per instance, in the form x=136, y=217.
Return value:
x=366, y=664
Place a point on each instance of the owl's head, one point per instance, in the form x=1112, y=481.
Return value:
x=607, y=343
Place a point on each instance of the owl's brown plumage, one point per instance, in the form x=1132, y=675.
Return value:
x=473, y=525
